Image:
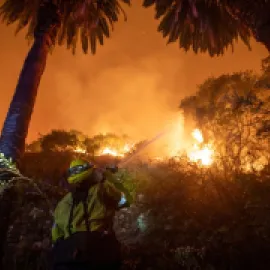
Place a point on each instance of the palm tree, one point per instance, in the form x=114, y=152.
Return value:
x=49, y=22
x=212, y=25
x=253, y=14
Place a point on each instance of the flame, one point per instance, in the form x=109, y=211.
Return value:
x=79, y=150
x=111, y=152
x=201, y=153
x=116, y=153
x=128, y=147
x=197, y=135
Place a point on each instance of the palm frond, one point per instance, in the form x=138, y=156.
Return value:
x=203, y=26
x=84, y=40
x=84, y=20
x=93, y=41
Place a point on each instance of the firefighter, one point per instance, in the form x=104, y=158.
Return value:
x=82, y=234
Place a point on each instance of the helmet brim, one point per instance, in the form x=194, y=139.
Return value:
x=80, y=177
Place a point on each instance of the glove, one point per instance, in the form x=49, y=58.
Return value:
x=123, y=202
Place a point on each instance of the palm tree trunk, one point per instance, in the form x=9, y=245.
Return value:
x=15, y=129
x=14, y=132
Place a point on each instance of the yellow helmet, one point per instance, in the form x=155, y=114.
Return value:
x=79, y=170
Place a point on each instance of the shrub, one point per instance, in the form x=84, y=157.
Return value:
x=184, y=217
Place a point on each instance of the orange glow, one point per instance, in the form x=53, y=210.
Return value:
x=197, y=135
x=111, y=152
x=124, y=88
x=200, y=153
x=79, y=150
x=116, y=152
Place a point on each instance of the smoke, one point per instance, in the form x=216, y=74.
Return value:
x=133, y=85
x=135, y=99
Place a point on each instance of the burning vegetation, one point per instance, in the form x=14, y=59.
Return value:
x=117, y=146
x=196, y=150
x=127, y=148
x=200, y=152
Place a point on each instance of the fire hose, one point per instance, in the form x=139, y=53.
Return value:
x=125, y=161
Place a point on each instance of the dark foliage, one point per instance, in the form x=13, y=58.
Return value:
x=201, y=26
x=184, y=217
x=87, y=21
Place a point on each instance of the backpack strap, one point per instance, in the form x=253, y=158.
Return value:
x=70, y=219
x=86, y=214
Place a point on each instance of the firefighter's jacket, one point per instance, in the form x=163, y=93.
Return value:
x=102, y=203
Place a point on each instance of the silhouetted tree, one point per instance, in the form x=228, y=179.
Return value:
x=212, y=25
